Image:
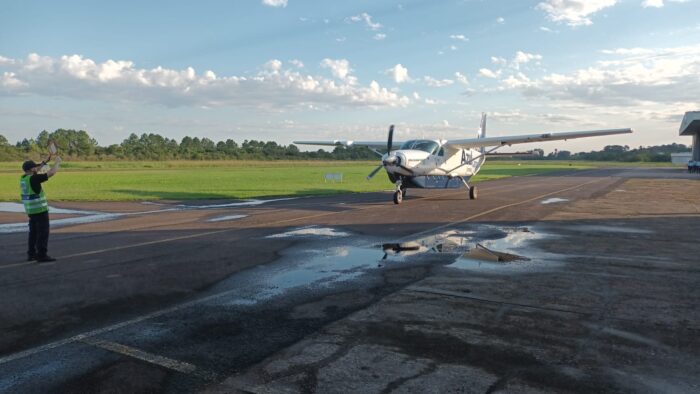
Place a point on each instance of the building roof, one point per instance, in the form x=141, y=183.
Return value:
x=691, y=123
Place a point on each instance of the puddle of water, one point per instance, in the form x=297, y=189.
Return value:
x=611, y=229
x=320, y=264
x=19, y=208
x=227, y=217
x=311, y=231
x=452, y=241
x=554, y=200
x=507, y=252
x=473, y=249
x=306, y=269
x=19, y=227
x=86, y=217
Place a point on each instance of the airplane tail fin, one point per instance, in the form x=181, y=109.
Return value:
x=482, y=126
x=481, y=133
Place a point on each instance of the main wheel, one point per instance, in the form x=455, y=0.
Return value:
x=403, y=192
x=473, y=193
x=398, y=197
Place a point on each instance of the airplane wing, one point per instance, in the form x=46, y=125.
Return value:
x=523, y=139
x=369, y=144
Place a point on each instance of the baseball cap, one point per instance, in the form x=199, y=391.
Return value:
x=28, y=165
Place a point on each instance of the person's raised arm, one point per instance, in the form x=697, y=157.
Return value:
x=54, y=169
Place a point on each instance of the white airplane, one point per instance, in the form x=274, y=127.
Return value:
x=446, y=164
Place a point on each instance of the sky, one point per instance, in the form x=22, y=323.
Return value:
x=287, y=70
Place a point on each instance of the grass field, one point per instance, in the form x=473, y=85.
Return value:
x=186, y=180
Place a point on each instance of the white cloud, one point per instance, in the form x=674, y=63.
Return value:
x=437, y=83
x=399, y=73
x=524, y=57
x=546, y=29
x=488, y=73
x=272, y=88
x=499, y=61
x=340, y=68
x=4, y=61
x=275, y=3
x=500, y=19
x=367, y=19
x=573, y=12
x=660, y=3
x=273, y=65
x=379, y=36
x=459, y=37
x=296, y=63
x=461, y=78
x=631, y=77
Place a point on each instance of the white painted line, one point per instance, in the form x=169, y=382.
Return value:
x=165, y=362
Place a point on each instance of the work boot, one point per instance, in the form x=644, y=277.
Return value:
x=31, y=257
x=45, y=259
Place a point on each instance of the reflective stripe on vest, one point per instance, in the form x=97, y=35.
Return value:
x=33, y=203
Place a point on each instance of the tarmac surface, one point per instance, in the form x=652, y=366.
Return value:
x=581, y=281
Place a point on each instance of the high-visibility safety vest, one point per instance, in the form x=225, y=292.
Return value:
x=33, y=203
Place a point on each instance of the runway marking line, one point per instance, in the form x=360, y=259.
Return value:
x=93, y=333
x=165, y=362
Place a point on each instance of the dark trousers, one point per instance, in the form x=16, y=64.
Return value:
x=38, y=234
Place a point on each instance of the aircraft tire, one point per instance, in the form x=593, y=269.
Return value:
x=473, y=193
x=398, y=197
x=403, y=192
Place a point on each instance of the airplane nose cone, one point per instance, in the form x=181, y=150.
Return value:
x=392, y=160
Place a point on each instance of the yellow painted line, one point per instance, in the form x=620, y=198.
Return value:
x=165, y=362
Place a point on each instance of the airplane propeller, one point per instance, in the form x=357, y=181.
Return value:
x=389, y=143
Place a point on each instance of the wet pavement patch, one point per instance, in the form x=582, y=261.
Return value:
x=311, y=231
x=553, y=200
x=81, y=218
x=318, y=279
x=226, y=218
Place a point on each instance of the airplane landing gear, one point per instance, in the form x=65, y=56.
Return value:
x=399, y=193
x=473, y=192
x=398, y=197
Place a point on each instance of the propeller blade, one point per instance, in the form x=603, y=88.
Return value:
x=374, y=172
x=390, y=141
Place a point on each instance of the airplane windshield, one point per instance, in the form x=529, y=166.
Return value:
x=424, y=145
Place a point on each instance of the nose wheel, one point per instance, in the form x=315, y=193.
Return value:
x=400, y=192
x=398, y=197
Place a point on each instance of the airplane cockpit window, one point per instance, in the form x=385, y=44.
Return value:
x=424, y=145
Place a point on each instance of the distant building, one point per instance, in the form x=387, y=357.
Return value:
x=690, y=125
x=681, y=159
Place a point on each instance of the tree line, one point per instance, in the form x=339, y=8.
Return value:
x=77, y=144
x=621, y=153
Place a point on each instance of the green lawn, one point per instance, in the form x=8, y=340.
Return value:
x=180, y=180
